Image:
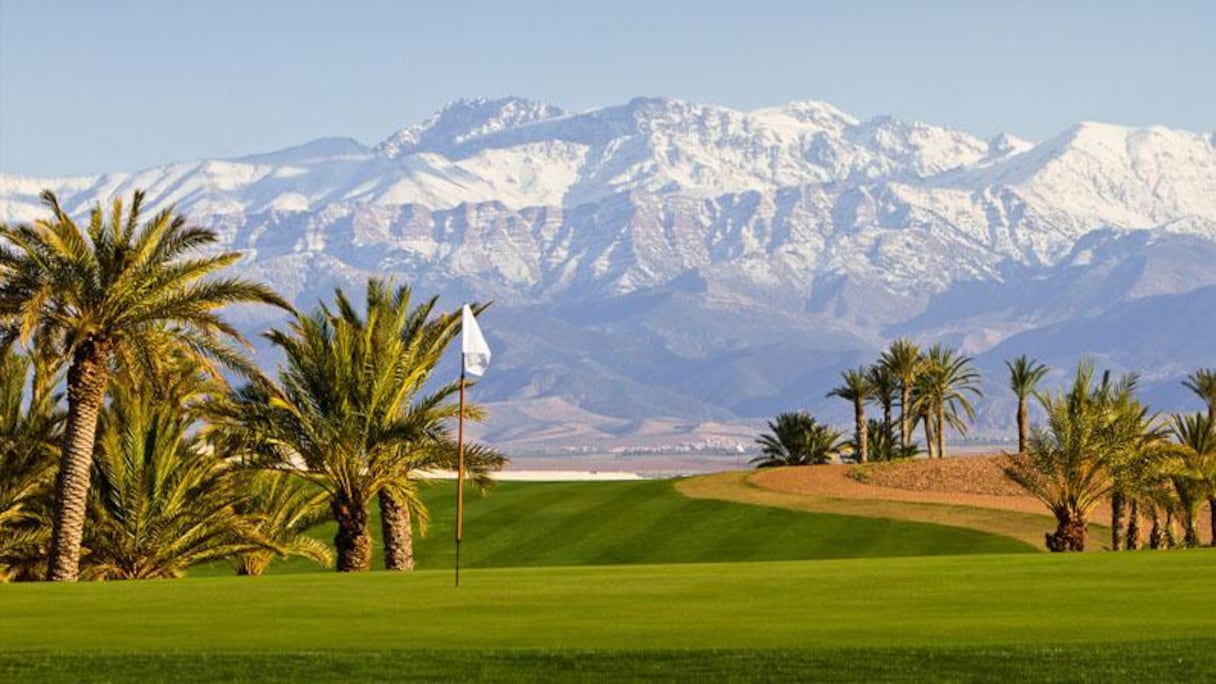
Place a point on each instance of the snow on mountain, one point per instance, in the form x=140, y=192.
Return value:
x=796, y=220
x=462, y=121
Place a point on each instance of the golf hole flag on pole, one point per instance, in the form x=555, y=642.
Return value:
x=474, y=359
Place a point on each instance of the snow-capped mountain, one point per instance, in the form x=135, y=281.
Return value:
x=666, y=258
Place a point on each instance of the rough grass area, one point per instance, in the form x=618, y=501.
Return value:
x=1082, y=617
x=606, y=523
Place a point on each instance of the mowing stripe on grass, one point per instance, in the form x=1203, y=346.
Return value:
x=528, y=524
x=917, y=602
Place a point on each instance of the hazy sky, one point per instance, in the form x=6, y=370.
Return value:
x=93, y=86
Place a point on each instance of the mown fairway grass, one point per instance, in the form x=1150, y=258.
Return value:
x=1095, y=617
x=889, y=611
x=608, y=523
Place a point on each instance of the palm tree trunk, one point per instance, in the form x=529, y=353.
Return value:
x=886, y=418
x=905, y=423
x=862, y=436
x=941, y=430
x=1156, y=536
x=1070, y=532
x=86, y=384
x=1117, y=519
x=353, y=542
x=1212, y=519
x=1190, y=536
x=395, y=524
x=1023, y=427
x=1133, y=525
x=1171, y=539
x=929, y=441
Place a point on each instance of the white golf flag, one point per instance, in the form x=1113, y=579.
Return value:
x=473, y=347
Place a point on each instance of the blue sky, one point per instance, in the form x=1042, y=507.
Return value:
x=96, y=86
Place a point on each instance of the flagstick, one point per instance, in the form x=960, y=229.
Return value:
x=460, y=474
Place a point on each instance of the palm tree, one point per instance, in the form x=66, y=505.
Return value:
x=282, y=509
x=117, y=292
x=1136, y=458
x=1194, y=478
x=1203, y=383
x=30, y=430
x=855, y=387
x=886, y=390
x=923, y=411
x=903, y=361
x=1067, y=465
x=1145, y=483
x=1024, y=377
x=163, y=502
x=797, y=439
x=397, y=517
x=945, y=381
x=340, y=415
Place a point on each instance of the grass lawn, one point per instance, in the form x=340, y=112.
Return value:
x=1091, y=617
x=608, y=523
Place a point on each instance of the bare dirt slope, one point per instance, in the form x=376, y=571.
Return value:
x=962, y=492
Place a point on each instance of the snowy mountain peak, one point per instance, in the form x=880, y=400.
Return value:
x=818, y=114
x=462, y=120
x=1006, y=145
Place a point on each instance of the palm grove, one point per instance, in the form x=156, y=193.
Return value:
x=1098, y=442
x=126, y=451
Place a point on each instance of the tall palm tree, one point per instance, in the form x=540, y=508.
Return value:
x=1203, y=383
x=903, y=360
x=886, y=391
x=1135, y=457
x=947, y=379
x=923, y=410
x=1194, y=478
x=115, y=292
x=1025, y=374
x=855, y=387
x=1067, y=464
x=340, y=415
x=797, y=439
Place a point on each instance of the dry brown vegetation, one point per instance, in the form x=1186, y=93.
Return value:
x=961, y=492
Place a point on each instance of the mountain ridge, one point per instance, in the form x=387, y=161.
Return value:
x=708, y=241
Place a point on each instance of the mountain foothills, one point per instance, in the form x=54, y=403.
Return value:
x=664, y=259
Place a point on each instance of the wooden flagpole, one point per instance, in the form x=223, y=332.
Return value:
x=460, y=474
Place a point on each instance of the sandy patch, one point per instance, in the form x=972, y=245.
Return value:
x=927, y=492
x=955, y=482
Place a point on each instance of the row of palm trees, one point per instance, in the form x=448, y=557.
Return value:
x=932, y=387
x=1100, y=443
x=125, y=452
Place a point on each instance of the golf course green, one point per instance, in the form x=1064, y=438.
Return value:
x=629, y=580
